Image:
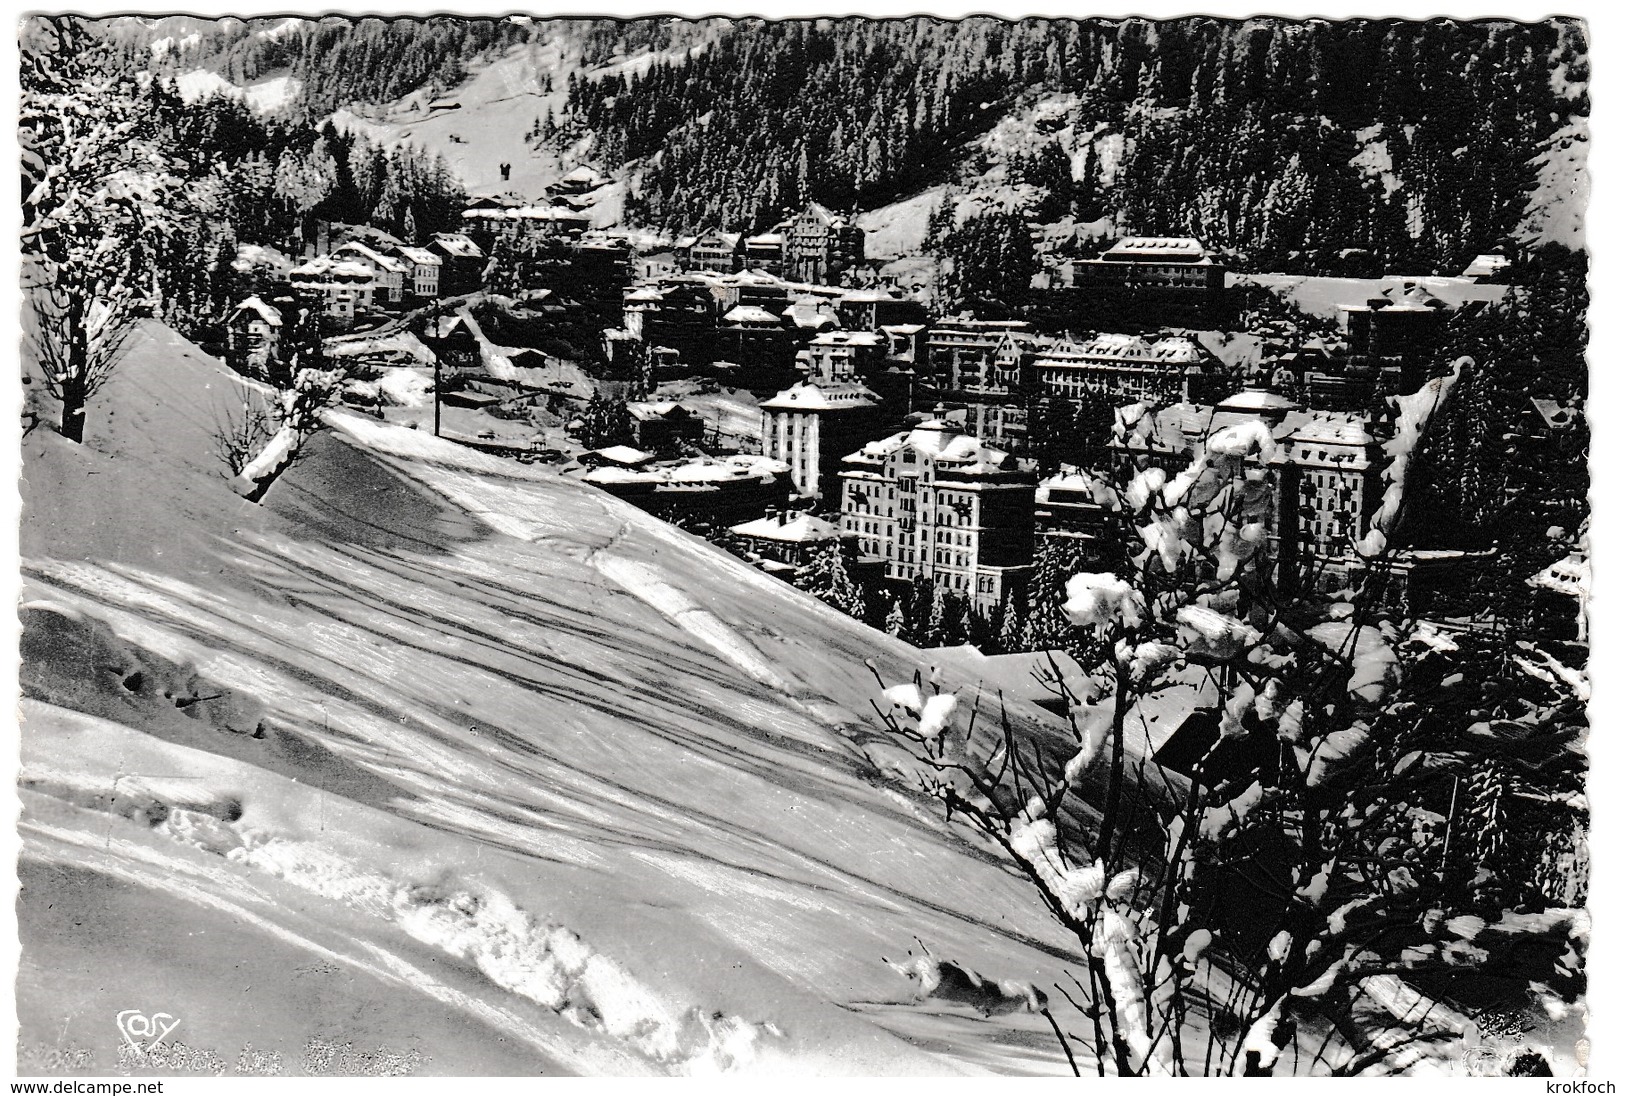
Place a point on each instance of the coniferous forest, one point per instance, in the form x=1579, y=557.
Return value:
x=1238, y=133
x=1241, y=133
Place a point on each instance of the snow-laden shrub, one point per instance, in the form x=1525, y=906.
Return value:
x=1098, y=600
x=1302, y=776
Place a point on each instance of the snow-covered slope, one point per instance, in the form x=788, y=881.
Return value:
x=263, y=96
x=441, y=755
x=482, y=123
x=1557, y=205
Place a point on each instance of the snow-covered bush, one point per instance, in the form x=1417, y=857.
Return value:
x=1334, y=839
x=286, y=416
x=96, y=204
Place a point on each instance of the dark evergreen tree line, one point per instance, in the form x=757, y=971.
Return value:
x=1239, y=132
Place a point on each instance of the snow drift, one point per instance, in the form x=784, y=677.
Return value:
x=431, y=754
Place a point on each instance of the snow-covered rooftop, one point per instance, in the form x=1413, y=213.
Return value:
x=1484, y=266
x=644, y=410
x=623, y=454
x=750, y=313
x=527, y=213
x=1150, y=248
x=583, y=174
x=1118, y=346
x=727, y=241
x=1252, y=400
x=329, y=267
x=420, y=255
x=848, y=338
x=800, y=529
x=940, y=441
x=383, y=262
x=266, y=312
x=1570, y=575
x=458, y=245
x=805, y=396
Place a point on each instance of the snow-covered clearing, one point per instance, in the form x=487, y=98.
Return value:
x=448, y=755
x=481, y=124
x=1325, y=296
x=263, y=96
x=1557, y=205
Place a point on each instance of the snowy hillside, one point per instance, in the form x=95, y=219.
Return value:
x=1556, y=210
x=482, y=123
x=558, y=787
x=263, y=96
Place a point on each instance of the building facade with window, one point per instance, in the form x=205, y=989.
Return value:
x=1124, y=368
x=938, y=503
x=811, y=427
x=820, y=246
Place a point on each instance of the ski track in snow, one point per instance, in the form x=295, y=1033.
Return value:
x=617, y=713
x=543, y=962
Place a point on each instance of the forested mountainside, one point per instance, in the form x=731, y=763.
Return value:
x=336, y=61
x=1288, y=143
x=340, y=61
x=1285, y=141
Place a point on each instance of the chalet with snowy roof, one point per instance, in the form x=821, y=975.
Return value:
x=820, y=246
x=462, y=262
x=938, y=503
x=577, y=182
x=340, y=287
x=456, y=341
x=253, y=337
x=661, y=426
x=389, y=272
x=763, y=252
x=423, y=271
x=719, y=252
x=1124, y=368
x=790, y=538
x=811, y=427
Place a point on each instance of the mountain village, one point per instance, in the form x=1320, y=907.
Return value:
x=897, y=442
x=813, y=547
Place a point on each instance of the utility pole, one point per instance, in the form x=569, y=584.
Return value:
x=434, y=320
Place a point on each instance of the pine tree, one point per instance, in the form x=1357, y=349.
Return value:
x=1012, y=625
x=97, y=202
x=825, y=577
x=896, y=620
x=955, y=626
